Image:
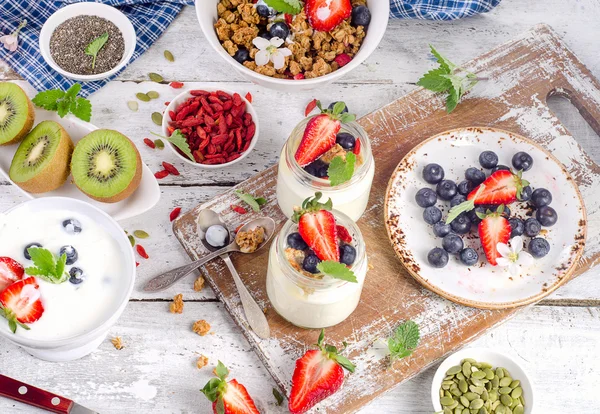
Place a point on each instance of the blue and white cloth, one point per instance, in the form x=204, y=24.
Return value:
x=150, y=18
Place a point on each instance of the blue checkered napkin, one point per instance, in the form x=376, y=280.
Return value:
x=439, y=9
x=150, y=18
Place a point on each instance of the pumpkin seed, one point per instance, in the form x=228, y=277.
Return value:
x=447, y=410
x=142, y=97
x=131, y=240
x=505, y=382
x=133, y=105
x=500, y=373
x=446, y=401
x=483, y=410
x=495, y=382
x=159, y=144
x=471, y=396
x=155, y=77
x=476, y=404
x=489, y=374
x=476, y=390
x=501, y=409
x=464, y=401
x=505, y=390
x=454, y=370
x=506, y=400
x=157, y=118
x=455, y=391
x=463, y=386
x=169, y=56
x=519, y=409
x=141, y=234
x=515, y=384
x=466, y=411
x=152, y=94
x=460, y=376
x=478, y=375
x=466, y=369
x=517, y=392
x=476, y=382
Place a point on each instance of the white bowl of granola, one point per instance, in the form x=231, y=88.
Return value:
x=295, y=76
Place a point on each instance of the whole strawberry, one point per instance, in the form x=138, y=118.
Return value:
x=319, y=373
x=228, y=397
x=316, y=225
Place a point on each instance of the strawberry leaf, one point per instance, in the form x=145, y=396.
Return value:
x=221, y=371
x=249, y=199
x=278, y=396
x=285, y=6
x=337, y=270
x=341, y=170
x=311, y=204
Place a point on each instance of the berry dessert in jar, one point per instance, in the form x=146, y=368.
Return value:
x=327, y=153
x=317, y=266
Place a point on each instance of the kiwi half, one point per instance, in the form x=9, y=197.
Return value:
x=41, y=163
x=106, y=166
x=16, y=113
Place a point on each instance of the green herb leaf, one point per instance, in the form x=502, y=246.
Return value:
x=83, y=109
x=341, y=170
x=337, y=270
x=404, y=341
x=285, y=6
x=65, y=102
x=46, y=266
x=249, y=199
x=445, y=64
x=278, y=396
x=221, y=370
x=48, y=99
x=94, y=47
x=434, y=81
x=179, y=140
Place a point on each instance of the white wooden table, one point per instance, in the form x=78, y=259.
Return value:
x=557, y=339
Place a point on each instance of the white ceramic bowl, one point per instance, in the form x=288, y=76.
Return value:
x=91, y=9
x=84, y=343
x=184, y=96
x=206, y=11
x=497, y=359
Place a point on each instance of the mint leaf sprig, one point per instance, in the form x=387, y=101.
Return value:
x=178, y=139
x=47, y=266
x=337, y=270
x=446, y=79
x=64, y=102
x=95, y=46
x=340, y=170
x=285, y=6
x=404, y=341
x=254, y=202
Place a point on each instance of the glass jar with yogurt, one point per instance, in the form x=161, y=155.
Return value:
x=295, y=184
x=313, y=301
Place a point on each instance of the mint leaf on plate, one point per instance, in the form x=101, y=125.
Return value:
x=254, y=202
x=337, y=270
x=65, y=102
x=341, y=170
x=48, y=99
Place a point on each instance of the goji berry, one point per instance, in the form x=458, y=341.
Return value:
x=150, y=143
x=176, y=85
x=248, y=97
x=238, y=209
x=141, y=251
x=175, y=213
x=238, y=228
x=161, y=174
x=136, y=264
x=343, y=234
x=356, y=149
x=167, y=103
x=170, y=168
x=309, y=108
x=288, y=19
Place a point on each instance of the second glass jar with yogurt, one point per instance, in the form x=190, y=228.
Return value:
x=296, y=182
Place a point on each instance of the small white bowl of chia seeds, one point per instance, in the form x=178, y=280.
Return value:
x=87, y=41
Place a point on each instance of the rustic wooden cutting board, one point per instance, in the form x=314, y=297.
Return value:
x=522, y=74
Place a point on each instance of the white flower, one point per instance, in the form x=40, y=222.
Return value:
x=11, y=41
x=513, y=255
x=268, y=50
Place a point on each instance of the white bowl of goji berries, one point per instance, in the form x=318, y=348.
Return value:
x=220, y=127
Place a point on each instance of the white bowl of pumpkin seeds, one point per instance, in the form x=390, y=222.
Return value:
x=481, y=381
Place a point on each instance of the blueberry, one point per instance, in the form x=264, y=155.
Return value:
x=541, y=197
x=532, y=227
x=446, y=189
x=461, y=224
x=347, y=254
x=426, y=197
x=361, y=16
x=295, y=241
x=547, y=216
x=433, y=173
x=522, y=161
x=469, y=256
x=465, y=187
x=263, y=10
x=488, y=159
x=452, y=243
x=506, y=212
x=346, y=140
x=517, y=227
x=72, y=226
x=500, y=167
x=331, y=105
x=475, y=175
x=310, y=263
x=539, y=247
x=76, y=275
x=26, y=253
x=265, y=35
x=525, y=194
x=440, y=229
x=241, y=55
x=317, y=169
x=280, y=30
x=71, y=254
x=457, y=199
x=432, y=215
x=473, y=214
x=437, y=257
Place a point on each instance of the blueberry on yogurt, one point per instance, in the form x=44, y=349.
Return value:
x=76, y=275
x=72, y=226
x=71, y=254
x=29, y=246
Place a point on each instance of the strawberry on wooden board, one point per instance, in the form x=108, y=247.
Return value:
x=228, y=397
x=319, y=373
x=326, y=15
x=320, y=132
x=20, y=303
x=316, y=225
x=493, y=229
x=11, y=271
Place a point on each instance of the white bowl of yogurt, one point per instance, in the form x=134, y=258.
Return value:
x=78, y=312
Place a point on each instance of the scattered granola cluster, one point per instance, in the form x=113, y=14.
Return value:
x=177, y=304
x=199, y=284
x=308, y=49
x=250, y=240
x=201, y=327
x=202, y=362
x=117, y=342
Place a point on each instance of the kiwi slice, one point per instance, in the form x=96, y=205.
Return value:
x=16, y=113
x=106, y=166
x=41, y=163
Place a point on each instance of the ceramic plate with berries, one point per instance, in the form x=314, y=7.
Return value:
x=485, y=218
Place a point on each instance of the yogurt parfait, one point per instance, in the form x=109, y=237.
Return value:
x=317, y=266
x=327, y=153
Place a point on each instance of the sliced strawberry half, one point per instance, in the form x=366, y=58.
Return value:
x=319, y=373
x=20, y=303
x=228, y=397
x=502, y=187
x=326, y=15
x=493, y=229
x=316, y=225
x=11, y=271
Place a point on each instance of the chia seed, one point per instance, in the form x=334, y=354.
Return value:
x=70, y=38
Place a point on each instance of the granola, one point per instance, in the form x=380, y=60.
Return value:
x=117, y=342
x=177, y=304
x=250, y=240
x=201, y=327
x=199, y=284
x=202, y=362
